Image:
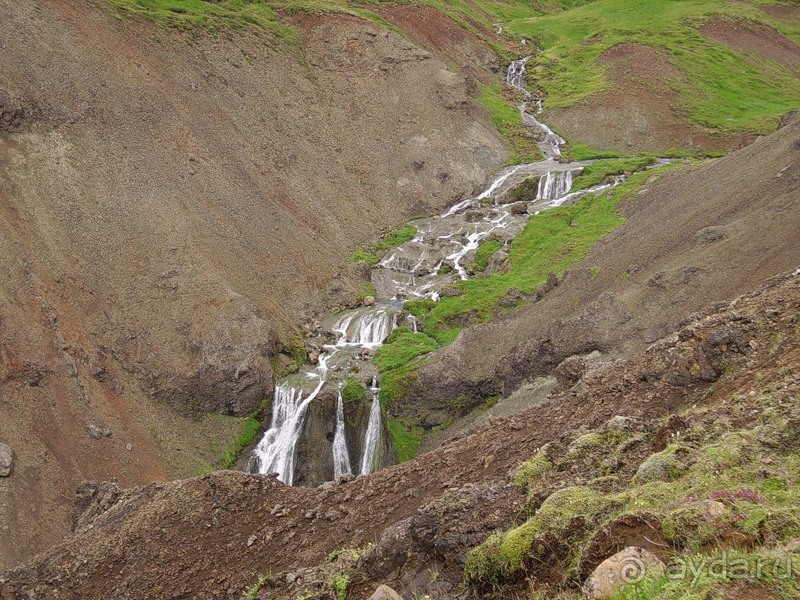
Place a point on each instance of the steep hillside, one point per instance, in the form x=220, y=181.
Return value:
x=707, y=413
x=188, y=186
x=694, y=235
x=169, y=203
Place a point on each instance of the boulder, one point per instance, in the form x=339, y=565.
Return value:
x=369, y=301
x=6, y=460
x=384, y=592
x=630, y=565
x=659, y=467
x=570, y=371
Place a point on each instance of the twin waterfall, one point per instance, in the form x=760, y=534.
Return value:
x=440, y=254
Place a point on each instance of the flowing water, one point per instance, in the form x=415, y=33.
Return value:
x=414, y=269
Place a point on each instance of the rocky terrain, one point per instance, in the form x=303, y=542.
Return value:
x=169, y=206
x=727, y=372
x=183, y=199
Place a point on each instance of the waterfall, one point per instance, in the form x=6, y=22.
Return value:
x=275, y=452
x=554, y=184
x=368, y=329
x=373, y=435
x=341, y=458
x=411, y=270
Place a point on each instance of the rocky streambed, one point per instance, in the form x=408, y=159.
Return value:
x=326, y=418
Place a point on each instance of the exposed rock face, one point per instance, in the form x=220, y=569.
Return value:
x=93, y=498
x=630, y=565
x=233, y=374
x=425, y=514
x=570, y=370
x=314, y=463
x=188, y=208
x=6, y=460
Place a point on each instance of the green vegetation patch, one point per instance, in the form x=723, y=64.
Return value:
x=718, y=87
x=401, y=349
x=248, y=433
x=200, y=14
x=598, y=172
x=485, y=252
x=552, y=241
x=507, y=119
x=406, y=437
x=354, y=391
x=371, y=254
x=754, y=474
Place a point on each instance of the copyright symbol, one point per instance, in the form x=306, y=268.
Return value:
x=632, y=570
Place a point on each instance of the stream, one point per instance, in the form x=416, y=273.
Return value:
x=411, y=270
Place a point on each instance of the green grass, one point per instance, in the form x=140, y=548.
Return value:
x=598, y=172
x=247, y=435
x=719, y=88
x=552, y=241
x=406, y=438
x=506, y=118
x=401, y=349
x=485, y=252
x=371, y=253
x=199, y=14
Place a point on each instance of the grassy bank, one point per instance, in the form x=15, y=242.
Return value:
x=718, y=87
x=552, y=241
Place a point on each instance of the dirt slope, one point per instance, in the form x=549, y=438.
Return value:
x=697, y=235
x=168, y=205
x=211, y=537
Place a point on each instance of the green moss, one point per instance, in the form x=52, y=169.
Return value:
x=506, y=118
x=485, y=252
x=395, y=384
x=354, y=391
x=247, y=435
x=402, y=348
x=532, y=470
x=598, y=172
x=406, y=437
x=505, y=555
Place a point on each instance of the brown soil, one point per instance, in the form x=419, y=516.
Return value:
x=640, y=110
x=169, y=205
x=783, y=12
x=696, y=235
x=451, y=42
x=211, y=537
x=754, y=40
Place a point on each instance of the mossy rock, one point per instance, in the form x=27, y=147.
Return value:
x=662, y=466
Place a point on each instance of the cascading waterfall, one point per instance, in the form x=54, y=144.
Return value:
x=275, y=452
x=368, y=329
x=414, y=269
x=341, y=457
x=373, y=435
x=554, y=185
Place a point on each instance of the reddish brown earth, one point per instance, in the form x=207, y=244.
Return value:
x=447, y=39
x=639, y=111
x=211, y=537
x=170, y=205
x=754, y=40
